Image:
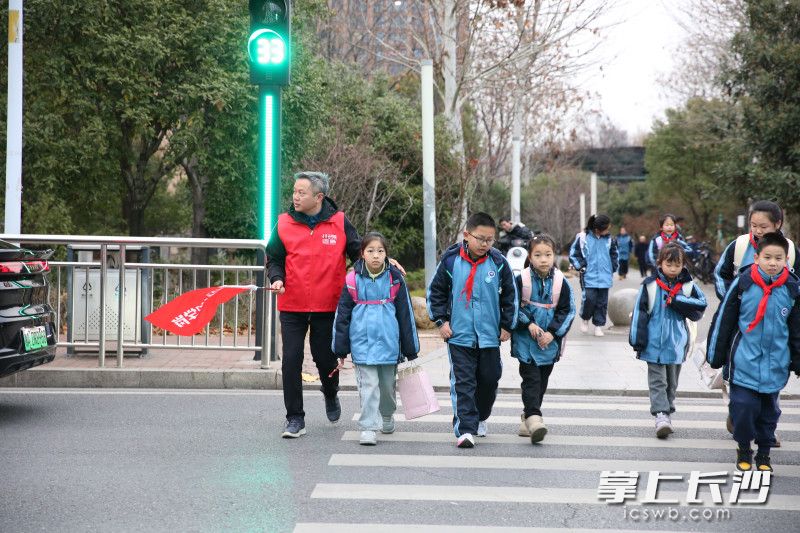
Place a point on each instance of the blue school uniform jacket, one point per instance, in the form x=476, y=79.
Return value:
x=494, y=302
x=556, y=320
x=625, y=246
x=598, y=255
x=661, y=335
x=761, y=359
x=375, y=334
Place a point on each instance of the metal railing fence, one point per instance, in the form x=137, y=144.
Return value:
x=86, y=319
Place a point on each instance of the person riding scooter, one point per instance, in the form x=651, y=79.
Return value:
x=512, y=235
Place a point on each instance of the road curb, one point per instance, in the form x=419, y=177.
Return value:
x=137, y=378
x=245, y=379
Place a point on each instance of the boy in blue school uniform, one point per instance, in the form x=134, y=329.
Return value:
x=473, y=300
x=756, y=339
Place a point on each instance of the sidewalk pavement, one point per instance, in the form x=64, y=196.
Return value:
x=590, y=365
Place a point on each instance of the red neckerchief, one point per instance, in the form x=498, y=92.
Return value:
x=762, y=305
x=670, y=292
x=665, y=239
x=471, y=278
x=753, y=241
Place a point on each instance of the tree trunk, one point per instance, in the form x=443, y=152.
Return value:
x=452, y=99
x=197, y=184
x=133, y=213
x=453, y=102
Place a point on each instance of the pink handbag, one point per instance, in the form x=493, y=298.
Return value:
x=416, y=392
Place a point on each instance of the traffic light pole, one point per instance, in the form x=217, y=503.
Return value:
x=269, y=158
x=269, y=192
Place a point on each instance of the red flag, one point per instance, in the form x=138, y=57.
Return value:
x=190, y=312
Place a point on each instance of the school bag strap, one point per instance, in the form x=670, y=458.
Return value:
x=527, y=281
x=651, y=293
x=739, y=249
x=691, y=327
x=352, y=288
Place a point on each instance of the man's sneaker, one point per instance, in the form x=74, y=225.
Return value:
x=333, y=408
x=294, y=428
x=744, y=459
x=481, y=428
x=729, y=424
x=584, y=326
x=368, y=438
x=762, y=463
x=466, y=441
x=523, y=427
x=663, y=425
x=388, y=425
x=598, y=332
x=777, y=442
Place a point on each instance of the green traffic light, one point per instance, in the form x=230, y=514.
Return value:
x=266, y=48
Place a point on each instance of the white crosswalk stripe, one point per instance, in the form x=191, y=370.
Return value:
x=530, y=463
x=372, y=491
x=576, y=440
x=419, y=472
x=330, y=527
x=579, y=421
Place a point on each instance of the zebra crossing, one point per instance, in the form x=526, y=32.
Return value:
x=417, y=480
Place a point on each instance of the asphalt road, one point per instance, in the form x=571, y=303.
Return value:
x=214, y=461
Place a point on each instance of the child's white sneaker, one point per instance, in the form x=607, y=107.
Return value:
x=598, y=332
x=481, y=428
x=663, y=425
x=368, y=438
x=466, y=441
x=584, y=326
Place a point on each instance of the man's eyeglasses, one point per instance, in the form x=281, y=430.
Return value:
x=482, y=240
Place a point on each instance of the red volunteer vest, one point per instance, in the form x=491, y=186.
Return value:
x=315, y=264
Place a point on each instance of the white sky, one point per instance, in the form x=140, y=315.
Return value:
x=636, y=51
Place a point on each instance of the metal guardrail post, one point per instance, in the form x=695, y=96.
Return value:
x=121, y=309
x=261, y=315
x=103, y=281
x=267, y=342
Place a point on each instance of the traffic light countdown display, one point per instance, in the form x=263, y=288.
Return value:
x=269, y=56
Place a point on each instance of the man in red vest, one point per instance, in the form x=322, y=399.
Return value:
x=306, y=265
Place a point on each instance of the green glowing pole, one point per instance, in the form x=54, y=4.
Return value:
x=269, y=193
x=269, y=158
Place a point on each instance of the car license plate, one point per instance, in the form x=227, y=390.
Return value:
x=34, y=338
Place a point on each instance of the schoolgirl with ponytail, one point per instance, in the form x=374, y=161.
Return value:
x=594, y=254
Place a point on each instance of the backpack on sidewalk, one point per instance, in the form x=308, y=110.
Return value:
x=350, y=283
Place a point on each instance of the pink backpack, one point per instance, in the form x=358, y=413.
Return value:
x=350, y=282
x=558, y=281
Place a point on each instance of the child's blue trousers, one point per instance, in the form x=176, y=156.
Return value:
x=755, y=416
x=595, y=305
x=474, y=375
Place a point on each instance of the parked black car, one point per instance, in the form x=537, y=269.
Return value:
x=27, y=322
